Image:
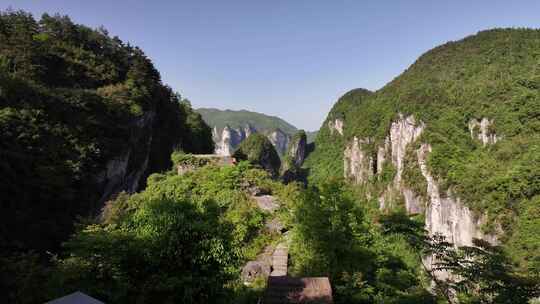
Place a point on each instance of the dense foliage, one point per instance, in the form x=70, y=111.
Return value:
x=335, y=234
x=327, y=158
x=481, y=273
x=182, y=240
x=258, y=150
x=71, y=100
x=493, y=75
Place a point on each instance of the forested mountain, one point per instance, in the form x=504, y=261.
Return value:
x=82, y=117
x=455, y=139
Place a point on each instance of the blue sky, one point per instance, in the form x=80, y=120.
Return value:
x=289, y=58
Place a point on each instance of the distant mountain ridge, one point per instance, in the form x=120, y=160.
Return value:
x=230, y=128
x=239, y=119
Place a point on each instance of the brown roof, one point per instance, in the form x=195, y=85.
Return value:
x=298, y=290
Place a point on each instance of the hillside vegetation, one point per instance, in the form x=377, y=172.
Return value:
x=258, y=150
x=494, y=74
x=72, y=99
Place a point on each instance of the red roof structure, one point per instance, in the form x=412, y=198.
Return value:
x=298, y=290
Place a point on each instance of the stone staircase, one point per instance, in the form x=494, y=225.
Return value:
x=280, y=260
x=272, y=264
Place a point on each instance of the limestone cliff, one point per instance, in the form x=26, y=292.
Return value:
x=481, y=130
x=231, y=127
x=297, y=148
x=336, y=125
x=229, y=139
x=280, y=140
x=445, y=213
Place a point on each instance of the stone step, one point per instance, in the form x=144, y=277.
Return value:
x=280, y=259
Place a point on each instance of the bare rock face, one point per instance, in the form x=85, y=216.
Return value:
x=266, y=203
x=403, y=132
x=227, y=140
x=481, y=131
x=336, y=126
x=280, y=140
x=445, y=213
x=297, y=149
x=382, y=151
x=358, y=165
x=230, y=138
x=414, y=204
x=124, y=172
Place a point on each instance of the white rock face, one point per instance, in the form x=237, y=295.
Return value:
x=402, y=133
x=445, y=214
x=381, y=155
x=414, y=204
x=280, y=140
x=336, y=126
x=297, y=151
x=480, y=130
x=358, y=166
x=230, y=138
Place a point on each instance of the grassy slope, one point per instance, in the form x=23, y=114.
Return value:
x=494, y=74
x=261, y=122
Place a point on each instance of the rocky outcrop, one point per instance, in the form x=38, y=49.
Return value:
x=382, y=151
x=266, y=203
x=297, y=148
x=228, y=139
x=403, y=132
x=280, y=140
x=336, y=125
x=259, y=268
x=357, y=163
x=259, y=151
x=445, y=213
x=481, y=130
x=124, y=173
